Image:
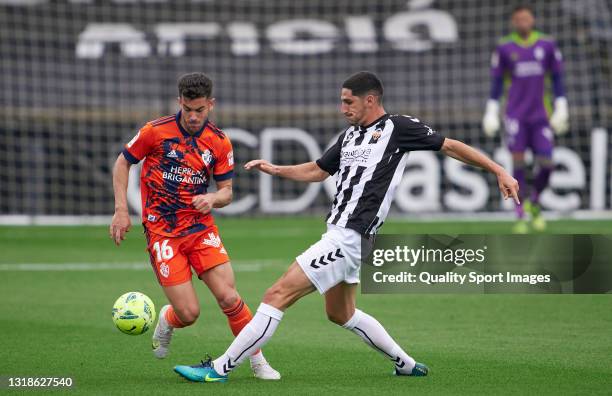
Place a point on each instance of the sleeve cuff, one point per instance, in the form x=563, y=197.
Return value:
x=224, y=176
x=131, y=159
x=441, y=144
x=326, y=169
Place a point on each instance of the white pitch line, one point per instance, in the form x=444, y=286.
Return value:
x=238, y=266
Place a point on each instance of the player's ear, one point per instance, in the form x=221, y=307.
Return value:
x=211, y=104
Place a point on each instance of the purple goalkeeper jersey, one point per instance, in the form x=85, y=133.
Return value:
x=527, y=64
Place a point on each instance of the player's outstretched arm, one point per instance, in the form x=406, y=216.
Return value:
x=460, y=151
x=307, y=172
x=121, y=222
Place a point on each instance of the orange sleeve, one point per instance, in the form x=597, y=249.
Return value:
x=140, y=145
x=224, y=164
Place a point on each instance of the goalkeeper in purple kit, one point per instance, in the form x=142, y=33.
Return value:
x=527, y=58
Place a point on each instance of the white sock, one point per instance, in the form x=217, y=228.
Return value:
x=372, y=332
x=257, y=358
x=252, y=337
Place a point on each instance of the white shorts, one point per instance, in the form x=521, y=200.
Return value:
x=335, y=258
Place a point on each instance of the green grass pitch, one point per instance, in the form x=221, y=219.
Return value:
x=58, y=322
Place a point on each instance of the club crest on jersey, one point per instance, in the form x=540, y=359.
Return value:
x=164, y=269
x=207, y=157
x=375, y=136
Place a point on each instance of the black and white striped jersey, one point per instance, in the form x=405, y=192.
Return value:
x=369, y=162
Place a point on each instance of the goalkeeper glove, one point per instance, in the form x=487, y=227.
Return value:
x=490, y=121
x=560, y=117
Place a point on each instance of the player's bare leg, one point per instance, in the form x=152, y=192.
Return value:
x=289, y=288
x=340, y=303
x=340, y=308
x=183, y=310
x=292, y=286
x=519, y=169
x=221, y=282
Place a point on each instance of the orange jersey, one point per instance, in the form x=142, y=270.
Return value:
x=177, y=167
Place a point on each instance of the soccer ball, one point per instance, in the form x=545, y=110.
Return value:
x=133, y=313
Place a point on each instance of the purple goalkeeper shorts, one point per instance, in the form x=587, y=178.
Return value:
x=521, y=135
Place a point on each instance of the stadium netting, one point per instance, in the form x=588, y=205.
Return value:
x=78, y=78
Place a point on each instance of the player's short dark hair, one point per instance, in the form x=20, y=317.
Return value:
x=195, y=85
x=522, y=7
x=364, y=83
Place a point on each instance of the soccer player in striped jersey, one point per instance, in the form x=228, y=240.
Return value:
x=182, y=153
x=368, y=161
x=527, y=58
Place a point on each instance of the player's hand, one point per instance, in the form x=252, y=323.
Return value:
x=204, y=202
x=490, y=121
x=560, y=117
x=261, y=165
x=508, y=186
x=120, y=225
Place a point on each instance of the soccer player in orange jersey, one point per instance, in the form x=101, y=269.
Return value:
x=182, y=153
